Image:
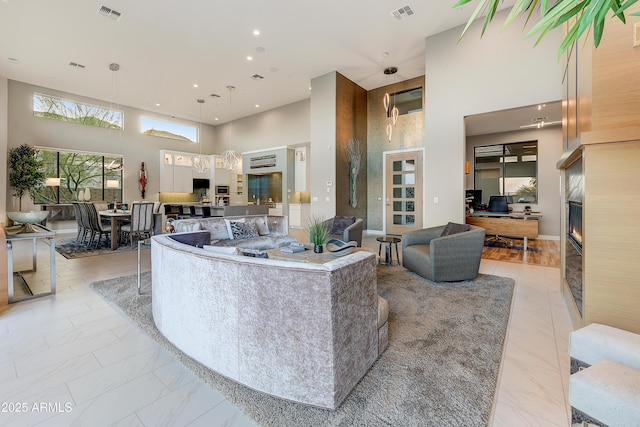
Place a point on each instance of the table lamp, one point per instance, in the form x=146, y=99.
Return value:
x=113, y=184
x=52, y=182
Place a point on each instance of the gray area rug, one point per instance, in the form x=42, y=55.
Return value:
x=440, y=369
x=70, y=248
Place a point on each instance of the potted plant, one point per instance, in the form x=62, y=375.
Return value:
x=318, y=232
x=26, y=175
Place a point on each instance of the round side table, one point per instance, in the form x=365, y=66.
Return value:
x=387, y=241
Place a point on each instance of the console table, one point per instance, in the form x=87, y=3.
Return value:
x=512, y=225
x=42, y=233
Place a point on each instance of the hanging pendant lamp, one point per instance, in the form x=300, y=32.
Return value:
x=230, y=158
x=200, y=162
x=391, y=114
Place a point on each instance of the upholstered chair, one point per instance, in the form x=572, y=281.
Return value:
x=345, y=228
x=444, y=253
x=95, y=225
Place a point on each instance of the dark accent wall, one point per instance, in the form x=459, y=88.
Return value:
x=351, y=122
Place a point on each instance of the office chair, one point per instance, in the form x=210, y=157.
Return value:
x=498, y=204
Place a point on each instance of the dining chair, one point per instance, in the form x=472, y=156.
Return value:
x=141, y=225
x=97, y=228
x=82, y=229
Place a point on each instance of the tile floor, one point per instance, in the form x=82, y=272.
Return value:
x=73, y=360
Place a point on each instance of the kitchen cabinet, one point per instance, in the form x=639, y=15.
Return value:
x=299, y=214
x=176, y=173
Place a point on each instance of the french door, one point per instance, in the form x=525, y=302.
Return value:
x=403, y=192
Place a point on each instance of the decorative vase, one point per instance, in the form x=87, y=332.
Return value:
x=87, y=194
x=80, y=195
x=317, y=249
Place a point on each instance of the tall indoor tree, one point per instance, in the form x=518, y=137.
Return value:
x=580, y=15
x=26, y=174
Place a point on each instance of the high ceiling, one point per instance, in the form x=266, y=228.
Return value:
x=165, y=47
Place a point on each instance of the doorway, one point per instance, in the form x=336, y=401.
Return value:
x=403, y=192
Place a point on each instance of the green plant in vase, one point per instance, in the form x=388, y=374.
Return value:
x=318, y=232
x=26, y=175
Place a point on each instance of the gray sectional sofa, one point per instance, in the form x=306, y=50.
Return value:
x=273, y=230
x=299, y=331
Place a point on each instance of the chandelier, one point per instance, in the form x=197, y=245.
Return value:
x=392, y=114
x=230, y=158
x=200, y=162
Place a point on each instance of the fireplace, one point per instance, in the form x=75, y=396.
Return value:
x=574, y=226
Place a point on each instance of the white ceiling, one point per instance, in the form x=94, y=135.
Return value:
x=522, y=118
x=164, y=47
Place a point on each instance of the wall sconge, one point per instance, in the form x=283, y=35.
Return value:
x=467, y=168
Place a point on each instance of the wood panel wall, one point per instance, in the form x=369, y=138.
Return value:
x=611, y=248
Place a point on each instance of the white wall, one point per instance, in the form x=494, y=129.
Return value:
x=323, y=145
x=24, y=127
x=497, y=72
x=282, y=126
x=549, y=151
x=4, y=106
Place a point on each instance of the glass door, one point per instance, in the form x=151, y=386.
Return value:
x=403, y=192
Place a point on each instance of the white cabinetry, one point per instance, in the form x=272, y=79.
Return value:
x=175, y=172
x=298, y=214
x=300, y=167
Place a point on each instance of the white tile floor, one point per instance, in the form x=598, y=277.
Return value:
x=73, y=360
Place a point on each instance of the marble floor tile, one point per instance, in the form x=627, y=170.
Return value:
x=181, y=406
x=75, y=346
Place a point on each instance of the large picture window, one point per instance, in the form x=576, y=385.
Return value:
x=72, y=176
x=65, y=110
x=171, y=130
x=508, y=170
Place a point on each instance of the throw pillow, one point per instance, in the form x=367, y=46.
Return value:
x=241, y=230
x=262, y=226
x=229, y=250
x=453, y=228
x=228, y=224
x=340, y=223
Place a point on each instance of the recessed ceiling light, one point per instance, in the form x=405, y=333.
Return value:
x=273, y=69
x=215, y=95
x=260, y=49
x=257, y=105
x=256, y=32
x=216, y=119
x=249, y=58
x=195, y=85
x=157, y=104
x=12, y=59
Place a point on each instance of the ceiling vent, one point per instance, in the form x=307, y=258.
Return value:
x=75, y=65
x=403, y=12
x=257, y=77
x=109, y=13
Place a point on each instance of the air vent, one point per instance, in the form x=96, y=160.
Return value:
x=257, y=77
x=75, y=65
x=109, y=13
x=403, y=12
x=215, y=95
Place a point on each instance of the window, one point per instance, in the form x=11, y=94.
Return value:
x=70, y=111
x=78, y=172
x=169, y=130
x=407, y=101
x=509, y=170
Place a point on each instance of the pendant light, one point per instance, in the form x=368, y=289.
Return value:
x=391, y=114
x=230, y=158
x=200, y=162
x=113, y=166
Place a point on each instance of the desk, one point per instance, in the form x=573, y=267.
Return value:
x=42, y=233
x=114, y=217
x=512, y=225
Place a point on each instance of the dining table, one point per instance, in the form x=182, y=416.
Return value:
x=115, y=216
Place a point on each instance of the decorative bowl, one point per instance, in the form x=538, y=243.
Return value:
x=31, y=217
x=339, y=248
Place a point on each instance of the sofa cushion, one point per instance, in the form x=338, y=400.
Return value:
x=262, y=226
x=240, y=230
x=340, y=223
x=453, y=228
x=228, y=224
x=229, y=250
